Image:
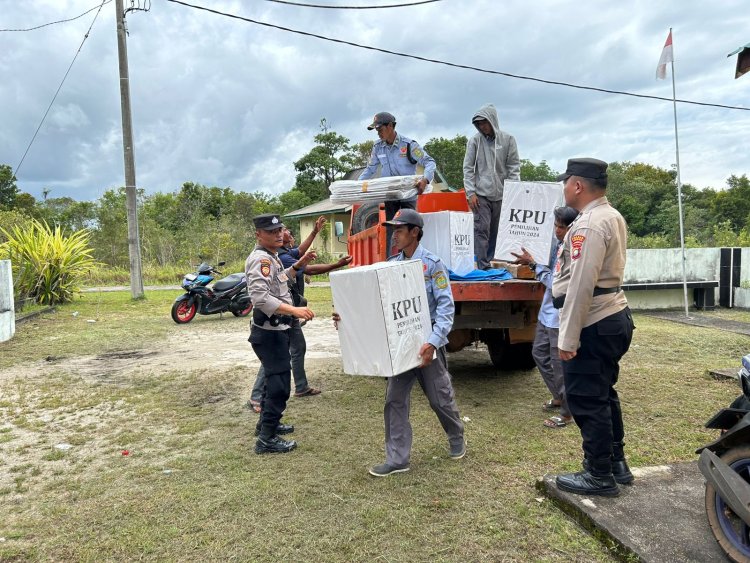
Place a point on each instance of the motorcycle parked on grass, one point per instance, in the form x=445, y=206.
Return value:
x=725, y=463
x=228, y=294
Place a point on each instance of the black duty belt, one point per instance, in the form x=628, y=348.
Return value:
x=558, y=302
x=274, y=320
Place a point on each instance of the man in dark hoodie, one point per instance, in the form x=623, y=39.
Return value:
x=491, y=158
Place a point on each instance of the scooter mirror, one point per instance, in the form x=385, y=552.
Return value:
x=222, y=263
x=339, y=228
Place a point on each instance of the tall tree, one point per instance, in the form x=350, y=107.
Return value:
x=327, y=161
x=541, y=172
x=8, y=188
x=449, y=157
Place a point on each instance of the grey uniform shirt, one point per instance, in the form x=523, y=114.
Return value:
x=267, y=284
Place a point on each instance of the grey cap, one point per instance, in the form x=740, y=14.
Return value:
x=590, y=168
x=382, y=118
x=405, y=217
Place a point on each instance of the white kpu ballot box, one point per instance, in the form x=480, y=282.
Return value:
x=450, y=235
x=527, y=219
x=385, y=318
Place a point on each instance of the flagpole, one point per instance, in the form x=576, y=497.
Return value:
x=679, y=192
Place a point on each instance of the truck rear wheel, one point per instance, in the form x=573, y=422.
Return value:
x=365, y=216
x=497, y=345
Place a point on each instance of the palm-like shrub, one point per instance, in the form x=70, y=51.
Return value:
x=48, y=264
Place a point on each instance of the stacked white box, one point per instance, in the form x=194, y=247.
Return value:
x=385, y=318
x=450, y=235
x=527, y=219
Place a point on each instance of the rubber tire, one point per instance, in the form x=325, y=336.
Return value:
x=729, y=457
x=366, y=216
x=498, y=347
x=244, y=312
x=520, y=357
x=186, y=318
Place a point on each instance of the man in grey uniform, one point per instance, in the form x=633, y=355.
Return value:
x=491, y=158
x=273, y=315
x=432, y=374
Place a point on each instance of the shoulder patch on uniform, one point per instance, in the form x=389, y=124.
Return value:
x=265, y=267
x=417, y=153
x=576, y=245
x=440, y=280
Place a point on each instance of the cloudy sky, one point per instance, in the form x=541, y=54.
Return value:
x=224, y=102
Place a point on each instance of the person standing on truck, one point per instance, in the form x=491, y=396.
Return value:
x=432, y=374
x=397, y=156
x=491, y=158
x=273, y=315
x=596, y=327
x=545, y=352
x=289, y=254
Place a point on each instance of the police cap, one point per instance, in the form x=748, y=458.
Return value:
x=267, y=221
x=382, y=118
x=590, y=168
x=406, y=217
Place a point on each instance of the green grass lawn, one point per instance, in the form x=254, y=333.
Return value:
x=191, y=488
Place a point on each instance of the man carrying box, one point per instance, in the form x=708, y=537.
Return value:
x=433, y=373
x=396, y=155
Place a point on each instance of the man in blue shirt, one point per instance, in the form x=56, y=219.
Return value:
x=545, y=352
x=432, y=374
x=396, y=155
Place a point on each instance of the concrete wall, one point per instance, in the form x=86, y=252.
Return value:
x=7, y=312
x=665, y=264
x=745, y=269
x=742, y=298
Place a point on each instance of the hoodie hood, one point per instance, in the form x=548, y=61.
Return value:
x=488, y=112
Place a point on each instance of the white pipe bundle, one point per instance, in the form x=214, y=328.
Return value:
x=377, y=189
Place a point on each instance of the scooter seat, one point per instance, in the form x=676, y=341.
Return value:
x=228, y=282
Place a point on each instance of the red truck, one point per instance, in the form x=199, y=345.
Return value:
x=502, y=314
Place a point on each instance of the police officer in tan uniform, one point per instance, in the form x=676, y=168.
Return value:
x=273, y=315
x=596, y=326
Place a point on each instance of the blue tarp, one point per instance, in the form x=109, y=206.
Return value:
x=482, y=275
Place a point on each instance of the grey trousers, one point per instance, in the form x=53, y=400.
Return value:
x=486, y=223
x=297, y=348
x=436, y=384
x=547, y=358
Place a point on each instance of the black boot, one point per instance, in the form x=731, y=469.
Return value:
x=281, y=429
x=274, y=445
x=620, y=468
x=585, y=483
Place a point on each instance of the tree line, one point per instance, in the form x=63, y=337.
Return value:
x=216, y=222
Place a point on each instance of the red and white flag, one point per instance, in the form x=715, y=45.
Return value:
x=667, y=56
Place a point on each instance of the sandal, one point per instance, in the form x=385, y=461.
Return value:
x=550, y=405
x=557, y=422
x=255, y=405
x=307, y=392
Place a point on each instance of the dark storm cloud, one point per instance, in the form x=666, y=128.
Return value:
x=226, y=103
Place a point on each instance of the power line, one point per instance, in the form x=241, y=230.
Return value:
x=453, y=65
x=61, y=21
x=327, y=7
x=78, y=52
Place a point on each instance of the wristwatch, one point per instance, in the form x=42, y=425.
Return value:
x=532, y=265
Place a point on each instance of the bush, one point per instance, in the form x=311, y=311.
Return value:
x=48, y=265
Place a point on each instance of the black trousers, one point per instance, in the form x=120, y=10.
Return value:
x=272, y=349
x=390, y=210
x=589, y=384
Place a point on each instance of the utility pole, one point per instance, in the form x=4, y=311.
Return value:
x=134, y=242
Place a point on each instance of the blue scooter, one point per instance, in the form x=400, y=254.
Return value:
x=228, y=294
